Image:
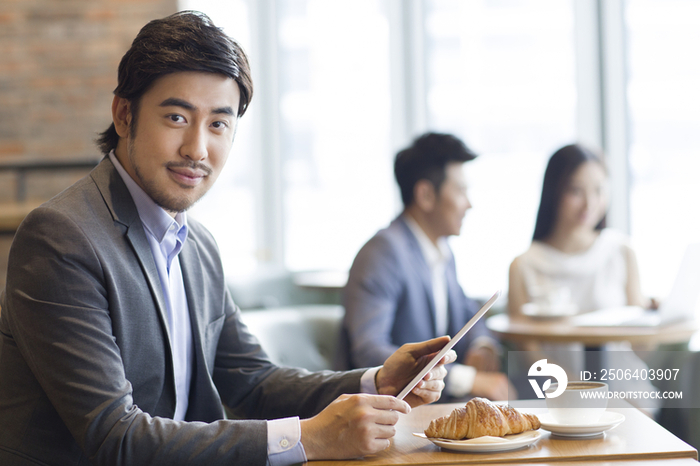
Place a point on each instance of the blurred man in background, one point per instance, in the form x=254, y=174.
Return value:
x=403, y=287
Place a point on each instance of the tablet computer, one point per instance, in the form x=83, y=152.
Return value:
x=433, y=362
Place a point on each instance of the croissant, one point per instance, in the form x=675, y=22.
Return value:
x=480, y=417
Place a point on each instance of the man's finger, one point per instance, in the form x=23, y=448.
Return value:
x=386, y=417
x=429, y=395
x=432, y=386
x=438, y=372
x=449, y=358
x=427, y=347
x=384, y=432
x=385, y=402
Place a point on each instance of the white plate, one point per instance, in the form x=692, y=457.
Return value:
x=539, y=312
x=606, y=422
x=487, y=444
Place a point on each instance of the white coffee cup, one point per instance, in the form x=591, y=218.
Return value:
x=550, y=301
x=581, y=403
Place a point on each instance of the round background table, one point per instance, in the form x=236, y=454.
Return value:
x=561, y=330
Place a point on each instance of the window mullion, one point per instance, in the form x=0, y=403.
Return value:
x=615, y=110
x=269, y=190
x=408, y=73
x=589, y=104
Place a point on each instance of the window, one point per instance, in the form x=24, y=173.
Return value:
x=501, y=75
x=310, y=176
x=335, y=125
x=663, y=92
x=229, y=209
x=341, y=85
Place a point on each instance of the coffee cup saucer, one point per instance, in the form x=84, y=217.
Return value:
x=607, y=421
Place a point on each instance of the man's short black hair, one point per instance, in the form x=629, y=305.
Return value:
x=184, y=41
x=426, y=159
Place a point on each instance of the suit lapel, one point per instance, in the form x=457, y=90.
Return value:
x=138, y=240
x=194, y=281
x=121, y=205
x=201, y=390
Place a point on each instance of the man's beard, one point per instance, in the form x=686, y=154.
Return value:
x=160, y=196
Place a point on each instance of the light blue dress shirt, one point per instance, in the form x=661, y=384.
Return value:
x=166, y=236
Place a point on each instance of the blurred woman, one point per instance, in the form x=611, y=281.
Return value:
x=574, y=264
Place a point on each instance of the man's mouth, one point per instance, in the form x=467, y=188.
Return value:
x=188, y=176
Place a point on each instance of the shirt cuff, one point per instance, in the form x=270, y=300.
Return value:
x=284, y=446
x=460, y=380
x=367, y=384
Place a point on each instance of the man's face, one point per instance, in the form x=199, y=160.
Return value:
x=452, y=203
x=184, y=131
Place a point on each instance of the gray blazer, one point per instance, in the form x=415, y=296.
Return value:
x=86, y=372
x=389, y=300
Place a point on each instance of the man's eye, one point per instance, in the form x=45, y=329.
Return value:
x=176, y=118
x=219, y=124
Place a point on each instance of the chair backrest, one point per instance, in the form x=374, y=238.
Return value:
x=297, y=336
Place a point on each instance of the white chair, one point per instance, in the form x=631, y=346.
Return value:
x=297, y=336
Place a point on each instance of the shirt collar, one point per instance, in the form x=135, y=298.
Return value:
x=434, y=255
x=154, y=218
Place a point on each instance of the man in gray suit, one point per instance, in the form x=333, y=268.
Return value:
x=119, y=342
x=403, y=287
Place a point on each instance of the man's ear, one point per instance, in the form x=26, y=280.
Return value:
x=424, y=195
x=121, y=115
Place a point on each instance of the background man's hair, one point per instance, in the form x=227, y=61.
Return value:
x=184, y=41
x=426, y=158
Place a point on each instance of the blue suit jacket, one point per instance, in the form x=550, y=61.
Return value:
x=389, y=300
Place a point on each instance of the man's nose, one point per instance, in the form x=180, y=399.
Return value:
x=194, y=146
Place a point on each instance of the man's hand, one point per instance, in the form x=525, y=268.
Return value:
x=493, y=385
x=402, y=366
x=352, y=426
x=483, y=358
x=358, y=425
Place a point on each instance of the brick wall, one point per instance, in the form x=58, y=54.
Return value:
x=58, y=68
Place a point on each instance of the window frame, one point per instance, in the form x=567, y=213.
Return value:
x=602, y=119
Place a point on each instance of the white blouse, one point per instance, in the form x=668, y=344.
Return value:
x=593, y=279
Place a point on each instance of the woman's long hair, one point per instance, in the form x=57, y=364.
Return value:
x=557, y=176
